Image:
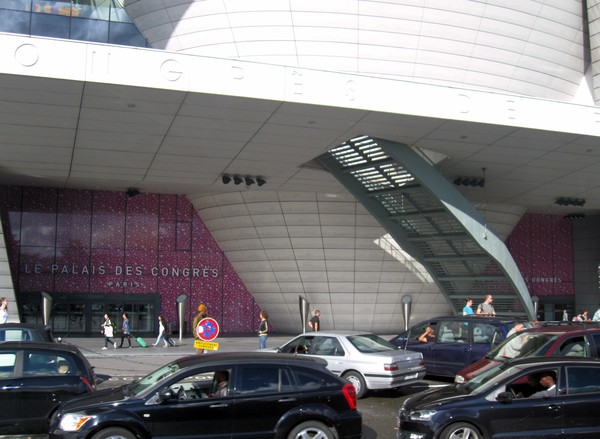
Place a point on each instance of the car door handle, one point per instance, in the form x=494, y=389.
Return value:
x=287, y=400
x=554, y=407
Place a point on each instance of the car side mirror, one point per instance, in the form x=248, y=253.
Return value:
x=166, y=394
x=505, y=397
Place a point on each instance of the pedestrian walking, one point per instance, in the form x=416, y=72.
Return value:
x=109, y=331
x=467, y=310
x=263, y=330
x=315, y=321
x=125, y=330
x=161, y=332
x=486, y=308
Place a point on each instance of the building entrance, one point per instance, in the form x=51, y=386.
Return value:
x=80, y=315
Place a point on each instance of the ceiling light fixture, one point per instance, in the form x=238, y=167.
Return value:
x=226, y=179
x=260, y=181
x=249, y=181
x=238, y=180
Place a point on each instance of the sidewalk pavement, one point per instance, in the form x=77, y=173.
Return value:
x=124, y=363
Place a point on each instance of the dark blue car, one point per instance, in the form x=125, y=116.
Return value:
x=453, y=342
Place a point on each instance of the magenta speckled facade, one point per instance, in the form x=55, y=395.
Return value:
x=93, y=242
x=542, y=247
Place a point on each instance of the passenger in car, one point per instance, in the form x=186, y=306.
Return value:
x=427, y=335
x=221, y=377
x=546, y=379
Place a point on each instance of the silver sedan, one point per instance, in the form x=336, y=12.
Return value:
x=368, y=361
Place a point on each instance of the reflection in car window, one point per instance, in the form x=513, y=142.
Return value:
x=7, y=364
x=152, y=378
x=581, y=379
x=416, y=332
x=327, y=346
x=208, y=384
x=368, y=343
x=263, y=379
x=574, y=347
x=483, y=381
x=311, y=380
x=47, y=363
x=531, y=344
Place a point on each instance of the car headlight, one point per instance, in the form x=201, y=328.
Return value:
x=421, y=415
x=73, y=421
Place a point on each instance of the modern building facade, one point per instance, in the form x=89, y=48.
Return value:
x=229, y=110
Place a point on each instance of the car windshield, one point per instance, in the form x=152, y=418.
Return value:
x=369, y=343
x=523, y=344
x=484, y=381
x=152, y=378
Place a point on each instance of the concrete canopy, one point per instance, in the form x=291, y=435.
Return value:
x=82, y=115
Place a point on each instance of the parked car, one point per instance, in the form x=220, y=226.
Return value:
x=455, y=341
x=366, y=360
x=34, y=379
x=27, y=332
x=550, y=339
x=513, y=399
x=227, y=395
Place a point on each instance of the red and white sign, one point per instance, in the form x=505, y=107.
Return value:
x=207, y=329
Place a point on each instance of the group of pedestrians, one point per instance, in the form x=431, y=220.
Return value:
x=485, y=308
x=108, y=329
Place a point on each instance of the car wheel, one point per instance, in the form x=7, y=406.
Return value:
x=357, y=381
x=461, y=430
x=114, y=433
x=311, y=430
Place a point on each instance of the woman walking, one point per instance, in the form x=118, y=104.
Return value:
x=125, y=330
x=108, y=330
x=161, y=332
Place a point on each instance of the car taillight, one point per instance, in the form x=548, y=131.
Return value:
x=350, y=395
x=390, y=367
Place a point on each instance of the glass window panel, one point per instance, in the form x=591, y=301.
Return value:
x=14, y=21
x=89, y=30
x=126, y=34
x=55, y=26
x=17, y=5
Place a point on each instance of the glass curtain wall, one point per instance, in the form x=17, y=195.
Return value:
x=102, y=21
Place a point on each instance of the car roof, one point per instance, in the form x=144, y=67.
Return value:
x=338, y=333
x=528, y=361
x=250, y=357
x=498, y=319
x=38, y=345
x=13, y=325
x=565, y=327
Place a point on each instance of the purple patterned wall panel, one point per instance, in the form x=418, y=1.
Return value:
x=105, y=242
x=542, y=248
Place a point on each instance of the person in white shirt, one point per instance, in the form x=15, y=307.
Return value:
x=3, y=310
x=546, y=379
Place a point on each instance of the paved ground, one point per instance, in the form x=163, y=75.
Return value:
x=124, y=363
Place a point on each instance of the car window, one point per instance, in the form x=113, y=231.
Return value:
x=207, y=384
x=312, y=380
x=48, y=363
x=7, y=364
x=15, y=335
x=574, y=347
x=263, y=379
x=485, y=333
x=299, y=345
x=453, y=332
x=582, y=379
x=327, y=346
x=369, y=343
x=417, y=331
x=596, y=349
x=536, y=384
x=152, y=378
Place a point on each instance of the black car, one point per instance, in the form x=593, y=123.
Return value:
x=27, y=332
x=540, y=397
x=454, y=342
x=221, y=395
x=34, y=379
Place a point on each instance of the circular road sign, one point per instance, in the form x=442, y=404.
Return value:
x=207, y=329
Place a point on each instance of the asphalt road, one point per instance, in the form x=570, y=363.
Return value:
x=120, y=366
